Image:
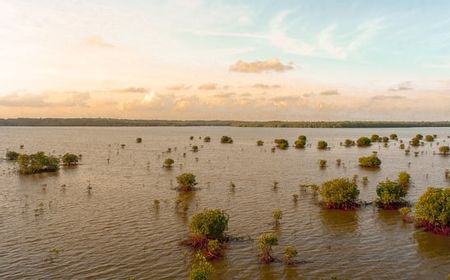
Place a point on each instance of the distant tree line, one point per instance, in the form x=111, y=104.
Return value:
x=286, y=124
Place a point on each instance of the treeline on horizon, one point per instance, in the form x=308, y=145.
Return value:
x=286, y=124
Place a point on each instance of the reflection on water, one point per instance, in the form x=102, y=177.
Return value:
x=52, y=227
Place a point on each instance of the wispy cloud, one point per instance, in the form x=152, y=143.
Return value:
x=97, y=42
x=329, y=93
x=208, y=86
x=403, y=86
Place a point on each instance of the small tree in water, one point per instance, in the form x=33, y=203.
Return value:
x=265, y=243
x=433, y=210
x=207, y=139
x=340, y=193
x=259, y=142
x=226, y=140
x=390, y=195
x=322, y=145
x=444, y=150
x=370, y=161
x=201, y=269
x=289, y=254
x=168, y=162
x=37, y=163
x=277, y=216
x=12, y=155
x=363, y=142
x=70, y=159
x=186, y=182
x=404, y=179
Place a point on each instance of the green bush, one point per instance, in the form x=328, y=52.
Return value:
x=429, y=138
x=415, y=142
x=282, y=144
x=370, y=161
x=195, y=148
x=207, y=139
x=260, y=143
x=402, y=146
x=322, y=163
x=390, y=195
x=363, y=142
x=349, y=143
x=289, y=254
x=226, y=140
x=385, y=139
x=340, y=193
x=374, y=138
x=300, y=144
x=277, y=216
x=168, y=162
x=419, y=136
x=393, y=136
x=139, y=140
x=37, y=163
x=444, y=150
x=404, y=179
x=186, y=181
x=265, y=243
x=433, y=210
x=210, y=223
x=201, y=269
x=69, y=159
x=322, y=145
x=12, y=155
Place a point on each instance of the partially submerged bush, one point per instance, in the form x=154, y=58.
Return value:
x=277, y=216
x=375, y=138
x=415, y=142
x=209, y=223
x=265, y=243
x=12, y=155
x=207, y=139
x=370, y=161
x=433, y=210
x=69, y=159
x=289, y=254
x=226, y=140
x=259, y=142
x=393, y=136
x=201, y=268
x=168, y=162
x=404, y=179
x=429, y=138
x=300, y=144
x=390, y=195
x=282, y=144
x=139, y=140
x=186, y=181
x=339, y=193
x=363, y=142
x=385, y=139
x=444, y=150
x=349, y=143
x=195, y=148
x=37, y=163
x=322, y=163
x=322, y=145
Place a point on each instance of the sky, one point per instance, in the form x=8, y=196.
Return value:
x=229, y=60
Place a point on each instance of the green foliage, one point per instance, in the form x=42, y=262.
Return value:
x=404, y=211
x=195, y=148
x=402, y=146
x=390, y=194
x=385, y=139
x=168, y=162
x=363, y=142
x=210, y=223
x=444, y=150
x=186, y=181
x=207, y=139
x=282, y=144
x=419, y=136
x=415, y=142
x=349, y=143
x=370, y=161
x=339, y=193
x=374, y=138
x=393, y=136
x=259, y=142
x=302, y=138
x=322, y=163
x=226, y=140
x=265, y=243
x=289, y=254
x=404, y=179
x=201, y=269
x=322, y=145
x=300, y=143
x=12, y=155
x=70, y=159
x=277, y=215
x=37, y=163
x=429, y=138
x=433, y=210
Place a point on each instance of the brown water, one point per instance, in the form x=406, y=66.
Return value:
x=115, y=231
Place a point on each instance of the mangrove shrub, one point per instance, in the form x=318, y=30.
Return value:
x=390, y=195
x=363, y=142
x=370, y=161
x=322, y=145
x=37, y=163
x=210, y=223
x=226, y=140
x=433, y=210
x=186, y=181
x=339, y=193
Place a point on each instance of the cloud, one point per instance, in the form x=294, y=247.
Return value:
x=23, y=100
x=208, y=86
x=97, y=42
x=260, y=66
x=329, y=93
x=132, y=90
x=407, y=85
x=46, y=99
x=225, y=95
x=178, y=87
x=387, y=97
x=265, y=86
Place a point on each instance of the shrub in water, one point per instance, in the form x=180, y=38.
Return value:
x=70, y=159
x=289, y=254
x=265, y=243
x=433, y=210
x=444, y=150
x=168, y=162
x=186, y=181
x=370, y=161
x=226, y=140
x=207, y=139
x=322, y=145
x=277, y=216
x=363, y=142
x=339, y=193
x=11, y=155
x=349, y=143
x=210, y=223
x=390, y=195
x=37, y=163
x=404, y=179
x=259, y=142
x=201, y=268
x=282, y=144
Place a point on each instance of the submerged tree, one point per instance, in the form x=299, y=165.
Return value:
x=226, y=140
x=433, y=210
x=390, y=195
x=404, y=179
x=277, y=216
x=265, y=243
x=168, y=162
x=375, y=138
x=429, y=138
x=415, y=142
x=207, y=139
x=12, y=155
x=201, y=269
x=186, y=182
x=259, y=142
x=322, y=145
x=340, y=193
x=363, y=142
x=370, y=161
x=37, y=163
x=139, y=140
x=393, y=136
x=444, y=150
x=282, y=144
x=289, y=254
x=69, y=159
x=349, y=143
x=209, y=224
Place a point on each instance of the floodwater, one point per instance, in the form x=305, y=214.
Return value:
x=115, y=232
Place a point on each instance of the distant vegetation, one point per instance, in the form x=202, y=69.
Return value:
x=283, y=144
x=294, y=124
x=364, y=142
x=370, y=161
x=186, y=182
x=226, y=140
x=69, y=159
x=37, y=163
x=322, y=145
x=12, y=155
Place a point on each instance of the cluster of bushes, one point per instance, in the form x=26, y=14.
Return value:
x=282, y=144
x=415, y=141
x=391, y=195
x=300, y=143
x=226, y=140
x=432, y=211
x=370, y=161
x=37, y=163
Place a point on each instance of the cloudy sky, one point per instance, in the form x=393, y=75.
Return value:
x=242, y=60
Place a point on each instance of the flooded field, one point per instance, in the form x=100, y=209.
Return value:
x=52, y=227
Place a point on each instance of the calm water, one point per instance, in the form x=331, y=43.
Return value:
x=115, y=231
